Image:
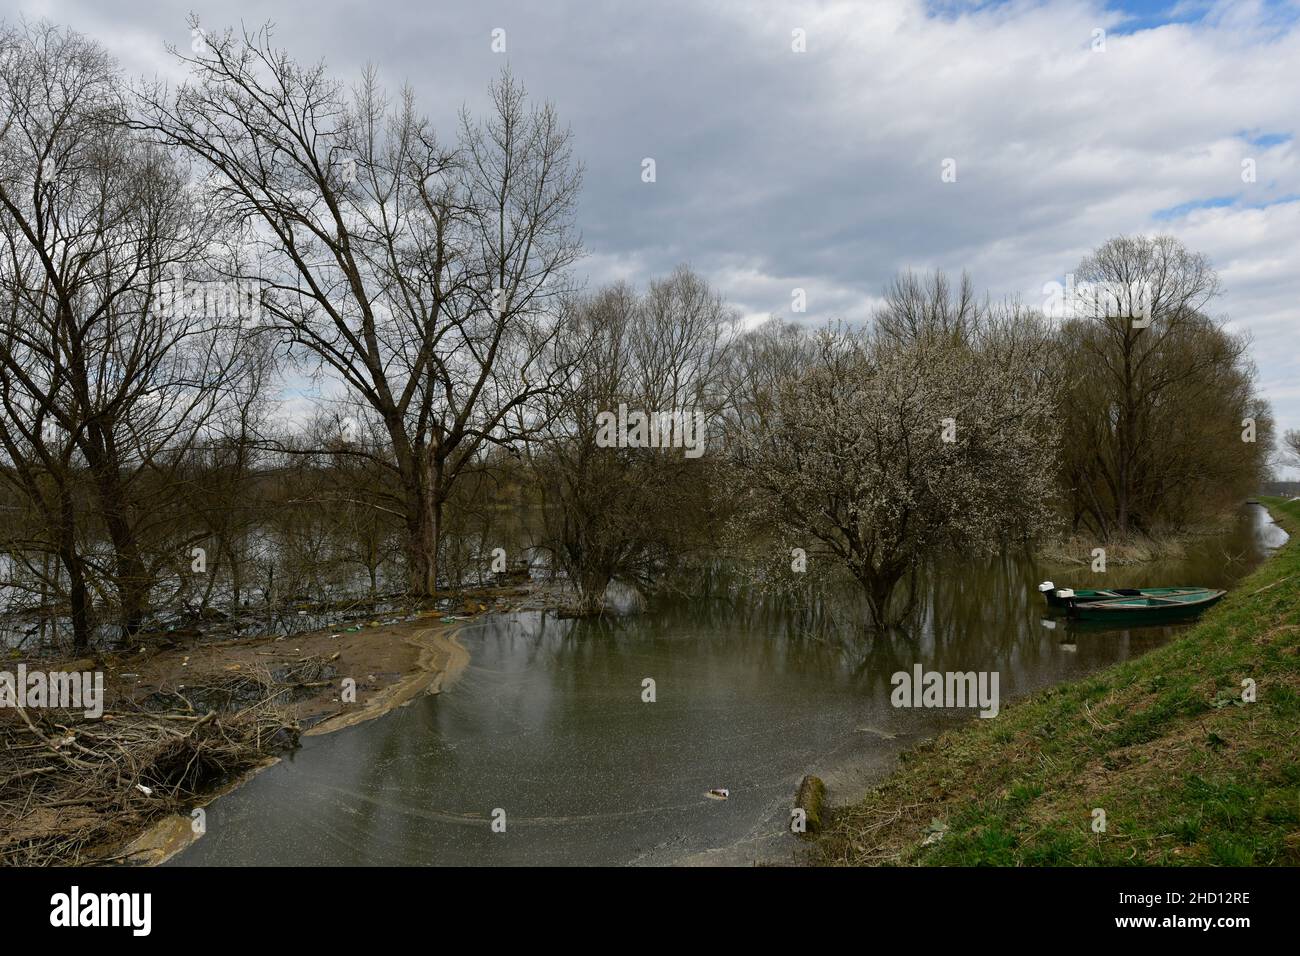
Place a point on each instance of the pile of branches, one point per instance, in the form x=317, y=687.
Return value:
x=74, y=789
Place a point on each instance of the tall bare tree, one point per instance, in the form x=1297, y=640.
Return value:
x=421, y=276
x=1291, y=444
x=619, y=513
x=1157, y=393
x=95, y=375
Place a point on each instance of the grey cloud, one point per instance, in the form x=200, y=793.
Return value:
x=822, y=169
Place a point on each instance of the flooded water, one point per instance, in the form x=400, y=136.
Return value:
x=547, y=730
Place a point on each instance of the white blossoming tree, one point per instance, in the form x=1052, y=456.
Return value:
x=888, y=446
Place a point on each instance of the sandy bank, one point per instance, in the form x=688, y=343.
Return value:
x=58, y=807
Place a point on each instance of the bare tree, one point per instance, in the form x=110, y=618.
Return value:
x=1291, y=445
x=1156, y=281
x=422, y=277
x=616, y=512
x=95, y=376
x=1157, y=393
x=917, y=306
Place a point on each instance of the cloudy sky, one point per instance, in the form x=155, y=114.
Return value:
x=1069, y=121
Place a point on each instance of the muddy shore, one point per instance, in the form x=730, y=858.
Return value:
x=56, y=776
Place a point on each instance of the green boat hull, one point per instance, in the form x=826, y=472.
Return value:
x=1146, y=610
x=1090, y=595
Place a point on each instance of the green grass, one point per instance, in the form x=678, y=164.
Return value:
x=1185, y=771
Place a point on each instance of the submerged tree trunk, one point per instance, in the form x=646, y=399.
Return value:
x=591, y=587
x=880, y=585
x=78, y=592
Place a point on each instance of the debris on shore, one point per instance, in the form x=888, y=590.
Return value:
x=74, y=789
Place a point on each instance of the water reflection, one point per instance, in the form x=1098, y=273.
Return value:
x=548, y=725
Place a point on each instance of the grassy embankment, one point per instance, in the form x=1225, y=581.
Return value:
x=1186, y=772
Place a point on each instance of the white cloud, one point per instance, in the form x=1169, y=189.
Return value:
x=821, y=169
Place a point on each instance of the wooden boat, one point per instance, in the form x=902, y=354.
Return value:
x=1065, y=598
x=1148, y=610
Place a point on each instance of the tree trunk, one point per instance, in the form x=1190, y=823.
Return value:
x=424, y=530
x=880, y=587
x=591, y=587
x=1127, y=430
x=78, y=593
x=236, y=580
x=130, y=579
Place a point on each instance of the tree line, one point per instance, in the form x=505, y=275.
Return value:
x=174, y=257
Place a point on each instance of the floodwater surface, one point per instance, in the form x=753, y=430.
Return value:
x=548, y=733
